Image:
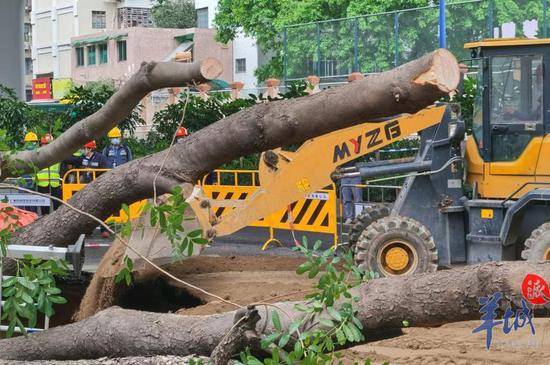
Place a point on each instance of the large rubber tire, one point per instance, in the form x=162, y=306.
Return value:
x=537, y=246
x=365, y=219
x=403, y=236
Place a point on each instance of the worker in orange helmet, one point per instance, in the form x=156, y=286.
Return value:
x=46, y=138
x=91, y=159
x=181, y=134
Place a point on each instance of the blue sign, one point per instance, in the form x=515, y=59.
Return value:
x=512, y=320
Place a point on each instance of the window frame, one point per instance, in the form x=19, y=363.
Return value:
x=80, y=57
x=486, y=53
x=203, y=11
x=94, y=47
x=101, y=61
x=237, y=65
x=102, y=21
x=119, y=47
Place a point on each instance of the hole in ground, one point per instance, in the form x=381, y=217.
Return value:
x=158, y=296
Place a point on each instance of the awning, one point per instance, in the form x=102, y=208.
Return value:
x=119, y=36
x=50, y=106
x=185, y=38
x=80, y=42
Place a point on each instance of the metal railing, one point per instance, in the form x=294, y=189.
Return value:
x=332, y=49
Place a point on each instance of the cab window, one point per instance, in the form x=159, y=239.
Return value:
x=477, y=119
x=516, y=104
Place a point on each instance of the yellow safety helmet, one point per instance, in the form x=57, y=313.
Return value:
x=114, y=133
x=31, y=137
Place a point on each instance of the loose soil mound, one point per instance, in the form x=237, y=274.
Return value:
x=454, y=343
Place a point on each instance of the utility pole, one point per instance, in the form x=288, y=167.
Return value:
x=442, y=26
x=11, y=45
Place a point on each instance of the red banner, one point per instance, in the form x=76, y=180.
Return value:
x=41, y=88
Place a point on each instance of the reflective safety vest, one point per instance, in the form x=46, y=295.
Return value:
x=49, y=177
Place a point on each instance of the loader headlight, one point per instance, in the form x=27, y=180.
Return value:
x=456, y=130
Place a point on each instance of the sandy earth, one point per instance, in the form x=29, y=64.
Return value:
x=251, y=279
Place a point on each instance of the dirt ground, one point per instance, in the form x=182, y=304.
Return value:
x=251, y=279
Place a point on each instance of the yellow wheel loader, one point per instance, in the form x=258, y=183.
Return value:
x=433, y=223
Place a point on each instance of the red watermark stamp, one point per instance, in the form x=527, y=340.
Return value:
x=535, y=289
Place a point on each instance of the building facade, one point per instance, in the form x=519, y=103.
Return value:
x=117, y=54
x=27, y=39
x=246, y=54
x=54, y=22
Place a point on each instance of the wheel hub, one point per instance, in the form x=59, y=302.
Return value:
x=397, y=258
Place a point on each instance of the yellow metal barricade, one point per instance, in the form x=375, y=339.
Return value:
x=314, y=213
x=76, y=179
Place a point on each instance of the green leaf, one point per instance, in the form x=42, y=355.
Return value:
x=128, y=278
x=326, y=322
x=53, y=290
x=349, y=333
x=294, y=326
x=129, y=263
x=334, y=314
x=284, y=340
x=58, y=299
x=306, y=266
x=269, y=340
x=195, y=233
x=27, y=298
x=276, y=320
x=314, y=271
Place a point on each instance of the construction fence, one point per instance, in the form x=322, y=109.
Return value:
x=317, y=212
x=377, y=42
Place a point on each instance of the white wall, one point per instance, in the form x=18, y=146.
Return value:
x=54, y=22
x=136, y=4
x=243, y=47
x=212, y=6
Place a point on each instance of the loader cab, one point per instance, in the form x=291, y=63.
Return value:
x=511, y=116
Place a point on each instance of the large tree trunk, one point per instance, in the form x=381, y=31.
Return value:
x=424, y=300
x=406, y=89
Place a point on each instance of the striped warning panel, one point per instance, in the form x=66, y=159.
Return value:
x=315, y=213
x=231, y=192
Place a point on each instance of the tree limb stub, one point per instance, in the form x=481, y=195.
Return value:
x=256, y=129
x=426, y=299
x=151, y=76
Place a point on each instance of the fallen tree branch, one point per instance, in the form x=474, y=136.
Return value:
x=151, y=76
x=428, y=299
x=405, y=89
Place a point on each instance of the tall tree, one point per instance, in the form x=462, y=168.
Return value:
x=175, y=14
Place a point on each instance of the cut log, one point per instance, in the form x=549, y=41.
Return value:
x=424, y=300
x=405, y=89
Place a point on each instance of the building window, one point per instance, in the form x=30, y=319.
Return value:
x=99, y=20
x=102, y=53
x=80, y=56
x=121, y=46
x=28, y=66
x=240, y=65
x=27, y=34
x=91, y=55
x=202, y=18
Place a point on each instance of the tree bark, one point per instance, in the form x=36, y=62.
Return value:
x=405, y=89
x=151, y=76
x=424, y=300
